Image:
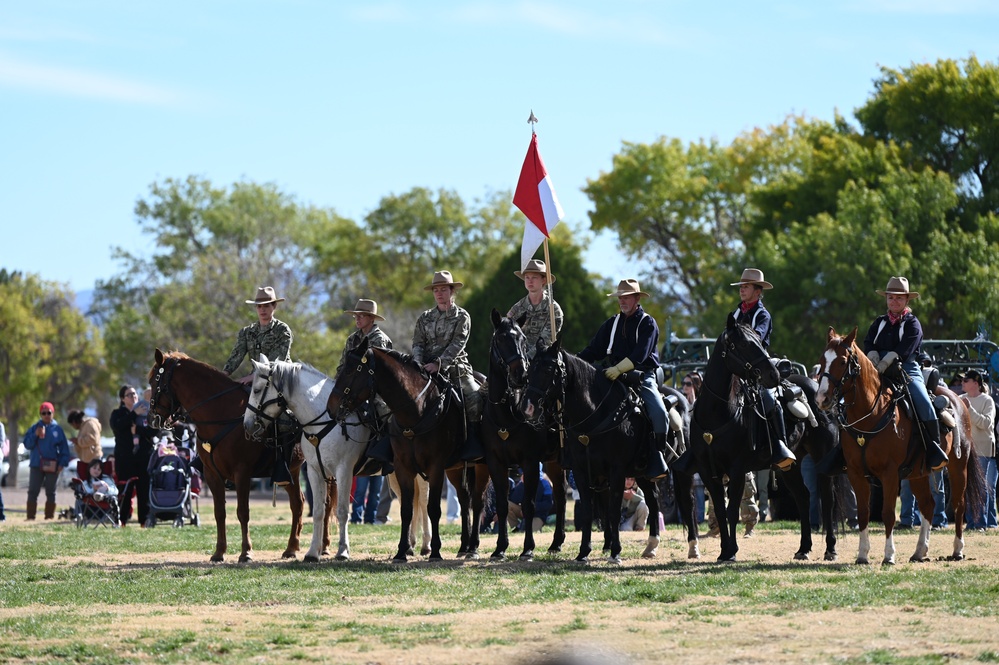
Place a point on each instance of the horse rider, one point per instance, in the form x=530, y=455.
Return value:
x=439, y=340
x=898, y=335
x=366, y=318
x=752, y=312
x=535, y=306
x=272, y=338
x=628, y=341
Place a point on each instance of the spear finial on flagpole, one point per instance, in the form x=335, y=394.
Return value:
x=532, y=120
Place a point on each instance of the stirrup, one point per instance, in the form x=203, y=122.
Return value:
x=782, y=457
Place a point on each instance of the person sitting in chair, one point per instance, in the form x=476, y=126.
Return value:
x=628, y=341
x=752, y=312
x=101, y=487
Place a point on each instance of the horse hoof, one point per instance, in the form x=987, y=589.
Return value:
x=888, y=562
x=956, y=557
x=726, y=559
x=287, y=554
x=217, y=558
x=498, y=555
x=423, y=552
x=582, y=558
x=917, y=559
x=325, y=552
x=527, y=556
x=472, y=556
x=399, y=559
x=616, y=560
x=245, y=558
x=410, y=552
x=829, y=556
x=801, y=556
x=308, y=558
x=862, y=562
x=555, y=549
x=343, y=557
x=436, y=557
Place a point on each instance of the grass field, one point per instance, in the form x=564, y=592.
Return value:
x=151, y=596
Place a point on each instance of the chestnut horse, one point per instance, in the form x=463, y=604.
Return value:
x=875, y=435
x=215, y=404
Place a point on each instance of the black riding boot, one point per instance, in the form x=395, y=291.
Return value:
x=685, y=463
x=655, y=466
x=473, y=450
x=377, y=458
x=936, y=458
x=781, y=456
x=280, y=473
x=832, y=463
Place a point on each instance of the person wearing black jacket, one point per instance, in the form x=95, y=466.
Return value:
x=131, y=439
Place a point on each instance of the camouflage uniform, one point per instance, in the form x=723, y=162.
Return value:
x=274, y=342
x=539, y=321
x=441, y=337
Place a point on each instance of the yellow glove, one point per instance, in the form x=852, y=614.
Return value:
x=617, y=370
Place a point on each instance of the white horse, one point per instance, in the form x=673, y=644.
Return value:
x=332, y=449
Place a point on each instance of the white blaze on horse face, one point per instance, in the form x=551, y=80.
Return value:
x=823, y=394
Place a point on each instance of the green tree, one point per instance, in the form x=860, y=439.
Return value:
x=945, y=115
x=584, y=306
x=48, y=351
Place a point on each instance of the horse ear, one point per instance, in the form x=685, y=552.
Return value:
x=522, y=320
x=362, y=348
x=264, y=360
x=158, y=357
x=830, y=334
x=496, y=318
x=557, y=345
x=851, y=338
x=730, y=322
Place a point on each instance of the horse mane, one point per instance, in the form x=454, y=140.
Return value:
x=179, y=356
x=405, y=360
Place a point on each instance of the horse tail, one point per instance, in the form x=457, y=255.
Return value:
x=974, y=489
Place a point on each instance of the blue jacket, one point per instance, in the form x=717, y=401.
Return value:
x=54, y=445
x=636, y=337
x=904, y=338
x=757, y=318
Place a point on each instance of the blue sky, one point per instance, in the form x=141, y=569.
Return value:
x=342, y=103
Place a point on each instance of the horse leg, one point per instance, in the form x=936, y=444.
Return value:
x=330, y=504
x=862, y=489
x=557, y=476
x=890, y=489
x=456, y=476
x=297, y=503
x=243, y=514
x=615, y=496
x=716, y=490
x=957, y=470
x=319, y=508
x=477, y=486
x=532, y=477
x=585, y=515
x=924, y=500
x=501, y=488
x=406, y=483
x=217, y=487
x=343, y=479
x=651, y=490
x=436, y=478
x=423, y=497
x=729, y=541
x=683, y=489
x=796, y=484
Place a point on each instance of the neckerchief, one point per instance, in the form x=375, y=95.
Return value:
x=746, y=306
x=892, y=319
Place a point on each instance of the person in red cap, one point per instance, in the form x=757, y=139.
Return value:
x=49, y=455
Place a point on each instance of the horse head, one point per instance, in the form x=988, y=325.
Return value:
x=839, y=368
x=743, y=353
x=261, y=410
x=354, y=383
x=508, y=350
x=163, y=404
x=545, y=373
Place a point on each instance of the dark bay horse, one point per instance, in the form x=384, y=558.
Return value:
x=606, y=436
x=723, y=432
x=876, y=435
x=510, y=441
x=682, y=483
x=215, y=404
x=426, y=428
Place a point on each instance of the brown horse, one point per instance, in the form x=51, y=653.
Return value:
x=215, y=404
x=426, y=430
x=876, y=434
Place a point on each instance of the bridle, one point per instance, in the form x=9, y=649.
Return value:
x=734, y=359
x=851, y=374
x=161, y=378
x=260, y=410
x=840, y=405
x=508, y=357
x=361, y=364
x=549, y=373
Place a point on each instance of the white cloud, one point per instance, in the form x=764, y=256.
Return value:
x=74, y=82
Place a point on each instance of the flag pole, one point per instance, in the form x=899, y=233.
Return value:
x=548, y=287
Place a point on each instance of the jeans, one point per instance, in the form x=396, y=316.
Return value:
x=910, y=511
x=453, y=507
x=917, y=389
x=367, y=491
x=988, y=519
x=655, y=408
x=811, y=479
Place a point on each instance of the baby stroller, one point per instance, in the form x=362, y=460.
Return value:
x=97, y=509
x=170, y=497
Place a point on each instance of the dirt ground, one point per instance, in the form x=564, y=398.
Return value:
x=691, y=631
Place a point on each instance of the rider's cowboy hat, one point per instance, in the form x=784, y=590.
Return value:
x=265, y=295
x=628, y=287
x=443, y=278
x=365, y=306
x=534, y=265
x=753, y=276
x=898, y=286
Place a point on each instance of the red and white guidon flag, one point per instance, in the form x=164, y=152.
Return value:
x=536, y=198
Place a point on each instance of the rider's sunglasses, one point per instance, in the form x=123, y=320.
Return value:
x=46, y=413
x=689, y=383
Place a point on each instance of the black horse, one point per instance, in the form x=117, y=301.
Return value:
x=726, y=437
x=509, y=441
x=681, y=485
x=607, y=437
